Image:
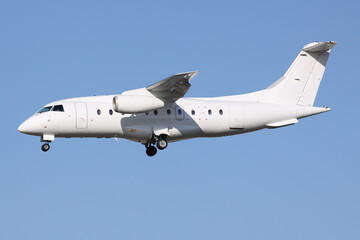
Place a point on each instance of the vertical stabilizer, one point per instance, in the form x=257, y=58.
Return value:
x=300, y=83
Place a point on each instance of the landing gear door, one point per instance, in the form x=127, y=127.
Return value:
x=81, y=115
x=179, y=114
x=236, y=116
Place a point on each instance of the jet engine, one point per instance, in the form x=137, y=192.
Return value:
x=136, y=103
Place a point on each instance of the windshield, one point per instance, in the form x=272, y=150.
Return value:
x=45, y=109
x=58, y=108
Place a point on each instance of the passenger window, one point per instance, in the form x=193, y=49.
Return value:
x=155, y=112
x=111, y=112
x=209, y=112
x=193, y=112
x=58, y=108
x=168, y=111
x=179, y=112
x=221, y=112
x=45, y=109
x=98, y=111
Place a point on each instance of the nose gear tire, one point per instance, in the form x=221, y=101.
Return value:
x=45, y=147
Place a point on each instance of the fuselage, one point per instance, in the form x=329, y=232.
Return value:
x=159, y=113
x=186, y=118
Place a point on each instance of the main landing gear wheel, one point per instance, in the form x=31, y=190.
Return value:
x=151, y=151
x=161, y=144
x=45, y=147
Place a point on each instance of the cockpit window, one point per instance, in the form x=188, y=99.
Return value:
x=58, y=108
x=45, y=109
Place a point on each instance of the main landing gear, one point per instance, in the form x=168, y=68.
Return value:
x=160, y=142
x=151, y=151
x=45, y=147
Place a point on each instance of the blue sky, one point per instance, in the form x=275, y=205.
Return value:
x=298, y=182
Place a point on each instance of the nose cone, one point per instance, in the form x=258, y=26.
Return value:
x=24, y=127
x=30, y=126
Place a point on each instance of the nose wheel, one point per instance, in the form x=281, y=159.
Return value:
x=45, y=147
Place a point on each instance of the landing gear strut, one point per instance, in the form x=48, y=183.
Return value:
x=45, y=147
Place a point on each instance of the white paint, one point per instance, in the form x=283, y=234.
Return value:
x=81, y=115
x=136, y=103
x=160, y=110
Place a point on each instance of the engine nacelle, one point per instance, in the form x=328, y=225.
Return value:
x=136, y=104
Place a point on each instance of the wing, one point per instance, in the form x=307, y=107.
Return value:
x=174, y=87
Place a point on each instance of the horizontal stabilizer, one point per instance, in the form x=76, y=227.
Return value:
x=319, y=46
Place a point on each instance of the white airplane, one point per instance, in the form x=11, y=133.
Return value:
x=159, y=113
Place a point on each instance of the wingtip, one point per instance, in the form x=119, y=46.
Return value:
x=190, y=72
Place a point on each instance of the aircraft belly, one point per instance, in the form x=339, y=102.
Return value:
x=135, y=127
x=138, y=132
x=184, y=131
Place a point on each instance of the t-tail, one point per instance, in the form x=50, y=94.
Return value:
x=300, y=83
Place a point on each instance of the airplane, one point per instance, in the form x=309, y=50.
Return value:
x=159, y=114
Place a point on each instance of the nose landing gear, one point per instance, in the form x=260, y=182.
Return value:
x=45, y=147
x=47, y=138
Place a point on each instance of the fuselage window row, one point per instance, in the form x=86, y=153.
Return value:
x=179, y=111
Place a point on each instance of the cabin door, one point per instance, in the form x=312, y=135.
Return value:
x=81, y=115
